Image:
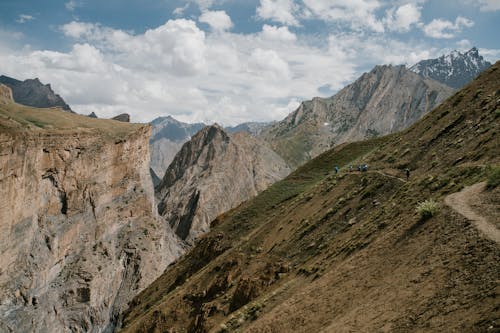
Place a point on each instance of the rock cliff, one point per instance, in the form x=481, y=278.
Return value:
x=79, y=232
x=32, y=92
x=383, y=101
x=211, y=174
x=167, y=137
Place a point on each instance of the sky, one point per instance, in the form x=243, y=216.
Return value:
x=226, y=61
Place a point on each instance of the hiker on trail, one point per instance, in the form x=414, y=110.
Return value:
x=336, y=169
x=407, y=174
x=350, y=168
x=364, y=167
x=359, y=167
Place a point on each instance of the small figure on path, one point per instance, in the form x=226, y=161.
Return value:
x=336, y=169
x=407, y=174
x=350, y=168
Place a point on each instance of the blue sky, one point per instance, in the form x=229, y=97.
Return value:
x=226, y=60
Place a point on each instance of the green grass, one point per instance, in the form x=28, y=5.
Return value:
x=16, y=117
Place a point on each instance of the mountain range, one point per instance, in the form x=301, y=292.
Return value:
x=455, y=69
x=355, y=251
x=231, y=239
x=385, y=100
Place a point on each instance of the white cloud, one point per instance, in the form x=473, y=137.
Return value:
x=358, y=14
x=178, y=69
x=277, y=33
x=218, y=20
x=486, y=5
x=439, y=28
x=282, y=11
x=179, y=11
x=178, y=46
x=23, y=18
x=71, y=5
x=268, y=64
x=402, y=18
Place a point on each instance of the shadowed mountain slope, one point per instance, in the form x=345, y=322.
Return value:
x=212, y=173
x=319, y=252
x=32, y=92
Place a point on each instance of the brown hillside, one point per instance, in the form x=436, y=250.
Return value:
x=320, y=252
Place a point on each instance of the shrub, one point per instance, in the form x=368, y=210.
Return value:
x=494, y=178
x=427, y=209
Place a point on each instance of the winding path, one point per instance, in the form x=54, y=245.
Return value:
x=460, y=202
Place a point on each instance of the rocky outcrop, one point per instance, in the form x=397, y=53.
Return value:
x=455, y=69
x=5, y=94
x=211, y=174
x=124, y=117
x=383, y=101
x=79, y=232
x=32, y=92
x=167, y=137
x=92, y=115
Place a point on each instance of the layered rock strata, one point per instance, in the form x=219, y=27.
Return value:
x=79, y=233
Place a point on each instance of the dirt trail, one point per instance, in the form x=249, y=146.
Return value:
x=460, y=202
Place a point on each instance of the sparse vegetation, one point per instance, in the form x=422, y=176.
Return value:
x=427, y=209
x=494, y=178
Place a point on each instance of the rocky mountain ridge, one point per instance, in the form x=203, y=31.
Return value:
x=383, y=101
x=32, y=92
x=212, y=173
x=455, y=69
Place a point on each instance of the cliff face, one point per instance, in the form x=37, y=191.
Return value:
x=79, y=236
x=386, y=100
x=167, y=137
x=32, y=92
x=213, y=173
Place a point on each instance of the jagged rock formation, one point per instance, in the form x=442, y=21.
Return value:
x=92, y=115
x=124, y=117
x=79, y=231
x=455, y=69
x=383, y=101
x=167, y=137
x=32, y=92
x=212, y=173
x=253, y=128
x=347, y=252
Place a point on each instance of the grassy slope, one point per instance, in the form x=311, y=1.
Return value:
x=342, y=253
x=15, y=118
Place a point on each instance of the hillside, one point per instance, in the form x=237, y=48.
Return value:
x=79, y=232
x=320, y=252
x=212, y=173
x=32, y=92
x=455, y=69
x=385, y=100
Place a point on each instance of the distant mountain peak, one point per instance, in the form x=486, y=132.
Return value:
x=32, y=92
x=455, y=69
